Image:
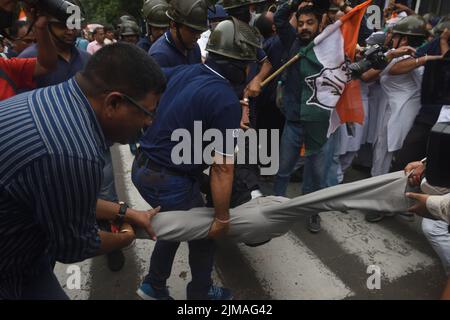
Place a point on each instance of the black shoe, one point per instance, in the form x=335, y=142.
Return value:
x=254, y=245
x=116, y=260
x=314, y=223
x=297, y=176
x=374, y=217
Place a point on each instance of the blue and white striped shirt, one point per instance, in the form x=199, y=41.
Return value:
x=51, y=162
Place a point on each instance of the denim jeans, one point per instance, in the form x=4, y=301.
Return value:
x=332, y=161
x=175, y=193
x=314, y=169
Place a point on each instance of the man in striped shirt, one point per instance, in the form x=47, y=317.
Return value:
x=52, y=142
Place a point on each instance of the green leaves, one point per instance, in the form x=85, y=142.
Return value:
x=108, y=11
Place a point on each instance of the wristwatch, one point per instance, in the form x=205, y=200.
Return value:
x=120, y=217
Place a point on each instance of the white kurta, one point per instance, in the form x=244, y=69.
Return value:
x=403, y=93
x=376, y=99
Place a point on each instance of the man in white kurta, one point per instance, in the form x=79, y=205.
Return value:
x=402, y=94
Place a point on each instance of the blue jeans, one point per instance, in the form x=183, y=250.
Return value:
x=175, y=193
x=332, y=160
x=314, y=169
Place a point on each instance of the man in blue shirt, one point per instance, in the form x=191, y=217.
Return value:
x=188, y=20
x=70, y=61
x=70, y=58
x=241, y=9
x=268, y=115
x=198, y=97
x=154, y=12
x=52, y=142
x=129, y=32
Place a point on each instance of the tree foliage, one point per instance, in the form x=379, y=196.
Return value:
x=108, y=11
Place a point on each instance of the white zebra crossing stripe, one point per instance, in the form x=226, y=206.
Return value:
x=122, y=163
x=375, y=245
x=289, y=271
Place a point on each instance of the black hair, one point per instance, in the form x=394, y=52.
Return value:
x=108, y=28
x=241, y=13
x=416, y=41
x=264, y=25
x=97, y=30
x=125, y=68
x=14, y=31
x=310, y=10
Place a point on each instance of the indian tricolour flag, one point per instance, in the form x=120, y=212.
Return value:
x=333, y=89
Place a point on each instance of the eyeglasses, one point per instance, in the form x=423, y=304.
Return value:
x=151, y=114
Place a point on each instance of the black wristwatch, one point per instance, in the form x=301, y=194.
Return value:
x=120, y=217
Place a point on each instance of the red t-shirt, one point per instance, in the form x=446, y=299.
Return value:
x=20, y=71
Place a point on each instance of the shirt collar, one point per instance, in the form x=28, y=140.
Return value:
x=214, y=71
x=78, y=94
x=170, y=40
x=211, y=66
x=74, y=54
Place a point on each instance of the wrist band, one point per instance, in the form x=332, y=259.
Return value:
x=125, y=231
x=222, y=221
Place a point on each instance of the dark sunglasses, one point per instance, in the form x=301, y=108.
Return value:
x=151, y=114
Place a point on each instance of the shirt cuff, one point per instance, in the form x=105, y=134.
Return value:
x=434, y=206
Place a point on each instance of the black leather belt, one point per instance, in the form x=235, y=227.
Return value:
x=144, y=161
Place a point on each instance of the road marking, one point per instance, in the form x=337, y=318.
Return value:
x=288, y=270
x=375, y=245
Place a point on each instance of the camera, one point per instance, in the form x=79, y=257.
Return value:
x=55, y=8
x=373, y=58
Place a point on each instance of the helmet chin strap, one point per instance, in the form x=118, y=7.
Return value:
x=179, y=37
x=399, y=41
x=233, y=71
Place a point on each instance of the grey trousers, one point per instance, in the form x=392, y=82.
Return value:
x=265, y=218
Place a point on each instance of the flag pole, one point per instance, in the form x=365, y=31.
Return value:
x=281, y=69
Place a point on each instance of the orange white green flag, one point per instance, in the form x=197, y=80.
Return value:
x=333, y=88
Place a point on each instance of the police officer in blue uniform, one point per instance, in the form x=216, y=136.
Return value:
x=241, y=9
x=154, y=12
x=196, y=95
x=188, y=20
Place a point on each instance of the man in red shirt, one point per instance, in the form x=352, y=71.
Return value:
x=16, y=74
